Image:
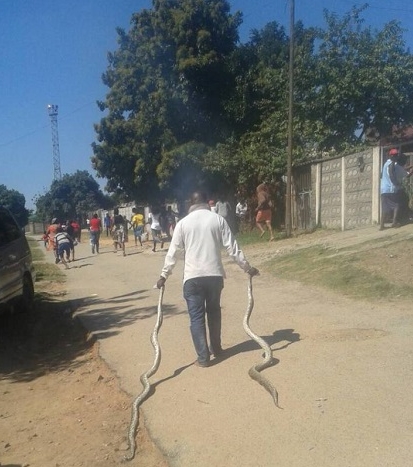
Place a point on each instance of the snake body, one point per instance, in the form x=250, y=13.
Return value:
x=255, y=371
x=145, y=381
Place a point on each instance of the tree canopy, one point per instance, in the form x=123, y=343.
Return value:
x=15, y=202
x=167, y=81
x=187, y=104
x=71, y=197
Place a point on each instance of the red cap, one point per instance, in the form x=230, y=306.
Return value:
x=393, y=152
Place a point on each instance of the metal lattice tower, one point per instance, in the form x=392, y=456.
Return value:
x=53, y=110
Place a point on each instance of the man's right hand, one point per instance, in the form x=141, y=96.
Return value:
x=253, y=271
x=161, y=282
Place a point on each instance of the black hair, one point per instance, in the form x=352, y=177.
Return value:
x=199, y=197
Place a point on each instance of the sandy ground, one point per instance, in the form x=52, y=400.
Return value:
x=343, y=371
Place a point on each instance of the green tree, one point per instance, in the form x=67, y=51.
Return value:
x=15, y=202
x=167, y=81
x=259, y=104
x=71, y=197
x=364, y=80
x=189, y=105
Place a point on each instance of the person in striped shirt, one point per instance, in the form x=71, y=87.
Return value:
x=63, y=244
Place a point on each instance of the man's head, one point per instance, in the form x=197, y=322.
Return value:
x=199, y=197
x=393, y=152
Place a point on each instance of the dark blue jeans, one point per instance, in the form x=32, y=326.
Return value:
x=203, y=297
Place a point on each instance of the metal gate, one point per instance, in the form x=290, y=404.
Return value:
x=302, y=196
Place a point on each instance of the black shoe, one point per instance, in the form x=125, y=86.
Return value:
x=216, y=353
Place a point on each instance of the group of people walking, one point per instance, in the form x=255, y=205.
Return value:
x=161, y=221
x=61, y=238
x=201, y=234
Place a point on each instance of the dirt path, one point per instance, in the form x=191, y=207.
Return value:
x=342, y=371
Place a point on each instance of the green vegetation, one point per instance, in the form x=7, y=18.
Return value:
x=14, y=201
x=253, y=237
x=371, y=274
x=71, y=198
x=189, y=105
x=45, y=272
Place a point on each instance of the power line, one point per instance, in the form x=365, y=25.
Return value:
x=32, y=132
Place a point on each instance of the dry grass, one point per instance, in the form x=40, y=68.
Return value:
x=375, y=271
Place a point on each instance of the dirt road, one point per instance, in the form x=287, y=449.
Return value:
x=343, y=367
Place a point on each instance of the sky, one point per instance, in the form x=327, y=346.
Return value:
x=55, y=51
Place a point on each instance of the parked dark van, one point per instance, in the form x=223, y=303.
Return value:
x=17, y=273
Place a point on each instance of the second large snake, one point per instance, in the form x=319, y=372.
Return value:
x=145, y=381
x=255, y=370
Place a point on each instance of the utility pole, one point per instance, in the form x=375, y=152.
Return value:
x=288, y=217
x=53, y=110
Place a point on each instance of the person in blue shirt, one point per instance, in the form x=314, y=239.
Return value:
x=391, y=186
x=107, y=222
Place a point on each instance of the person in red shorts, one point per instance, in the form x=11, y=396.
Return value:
x=95, y=227
x=263, y=210
x=77, y=231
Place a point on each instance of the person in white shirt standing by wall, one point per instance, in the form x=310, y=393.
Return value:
x=201, y=235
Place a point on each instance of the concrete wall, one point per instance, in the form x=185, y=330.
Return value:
x=346, y=190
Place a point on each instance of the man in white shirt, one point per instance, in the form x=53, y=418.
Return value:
x=201, y=235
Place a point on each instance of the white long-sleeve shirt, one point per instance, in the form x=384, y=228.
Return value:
x=200, y=236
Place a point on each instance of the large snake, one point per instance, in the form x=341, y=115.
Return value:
x=255, y=370
x=145, y=381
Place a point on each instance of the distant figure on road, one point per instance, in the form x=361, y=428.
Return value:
x=45, y=238
x=107, y=222
x=64, y=245
x=118, y=231
x=241, y=210
x=156, y=228
x=77, y=230
x=393, y=197
x=138, y=223
x=51, y=233
x=95, y=226
x=223, y=208
x=212, y=205
x=68, y=228
x=263, y=210
x=171, y=221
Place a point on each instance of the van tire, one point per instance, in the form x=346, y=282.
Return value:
x=26, y=302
